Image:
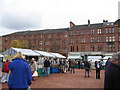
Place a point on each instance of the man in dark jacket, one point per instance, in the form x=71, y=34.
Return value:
x=46, y=66
x=107, y=62
x=87, y=67
x=112, y=73
x=98, y=68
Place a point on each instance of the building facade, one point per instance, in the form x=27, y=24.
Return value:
x=99, y=37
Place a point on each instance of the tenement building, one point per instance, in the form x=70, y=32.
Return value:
x=90, y=39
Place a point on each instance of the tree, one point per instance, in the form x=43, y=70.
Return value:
x=24, y=44
x=55, y=46
x=16, y=44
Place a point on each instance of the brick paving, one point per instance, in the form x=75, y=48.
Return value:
x=68, y=80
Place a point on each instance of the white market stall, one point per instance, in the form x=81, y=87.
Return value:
x=27, y=52
x=45, y=54
x=74, y=57
x=57, y=55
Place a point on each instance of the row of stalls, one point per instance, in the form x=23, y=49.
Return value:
x=39, y=56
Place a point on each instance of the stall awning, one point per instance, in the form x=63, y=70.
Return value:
x=95, y=57
x=106, y=57
x=27, y=52
x=74, y=57
x=45, y=54
x=58, y=55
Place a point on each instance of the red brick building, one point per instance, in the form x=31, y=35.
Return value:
x=99, y=37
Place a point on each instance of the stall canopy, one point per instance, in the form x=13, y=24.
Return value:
x=74, y=57
x=57, y=55
x=45, y=54
x=94, y=57
x=27, y=52
x=106, y=57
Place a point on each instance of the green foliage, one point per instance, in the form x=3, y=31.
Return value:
x=19, y=44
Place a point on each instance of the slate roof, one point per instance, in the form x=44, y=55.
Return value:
x=92, y=26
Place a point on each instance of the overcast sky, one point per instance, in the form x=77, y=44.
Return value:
x=21, y=15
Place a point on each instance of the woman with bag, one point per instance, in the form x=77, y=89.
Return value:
x=34, y=69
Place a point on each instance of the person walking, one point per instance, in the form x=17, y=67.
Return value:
x=73, y=66
x=33, y=68
x=112, y=74
x=87, y=68
x=46, y=67
x=79, y=64
x=20, y=76
x=98, y=68
x=6, y=72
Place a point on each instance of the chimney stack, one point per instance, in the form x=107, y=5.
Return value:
x=71, y=24
x=88, y=22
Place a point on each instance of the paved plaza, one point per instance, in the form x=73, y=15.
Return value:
x=68, y=80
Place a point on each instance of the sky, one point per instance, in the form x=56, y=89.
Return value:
x=22, y=15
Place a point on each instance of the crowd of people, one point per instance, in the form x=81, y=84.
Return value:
x=19, y=72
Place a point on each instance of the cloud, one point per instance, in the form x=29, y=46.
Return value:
x=20, y=22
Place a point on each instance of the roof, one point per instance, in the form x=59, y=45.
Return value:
x=58, y=55
x=61, y=30
x=46, y=54
x=92, y=26
x=27, y=52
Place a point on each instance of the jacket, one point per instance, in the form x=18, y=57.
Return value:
x=112, y=77
x=6, y=69
x=47, y=63
x=34, y=66
x=20, y=76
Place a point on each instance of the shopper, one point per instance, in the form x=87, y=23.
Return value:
x=112, y=74
x=6, y=72
x=87, y=68
x=107, y=62
x=46, y=67
x=73, y=63
x=98, y=68
x=20, y=76
x=33, y=65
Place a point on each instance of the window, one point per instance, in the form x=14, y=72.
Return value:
x=72, y=33
x=40, y=48
x=83, y=48
x=99, y=31
x=119, y=38
x=91, y=31
x=113, y=38
x=65, y=35
x=46, y=43
x=119, y=29
x=110, y=48
x=110, y=30
x=77, y=41
x=92, y=48
x=71, y=48
x=99, y=47
x=83, y=32
x=77, y=33
x=92, y=39
x=40, y=42
x=77, y=48
x=113, y=30
x=106, y=30
x=82, y=40
x=99, y=39
x=119, y=47
x=110, y=39
x=71, y=40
